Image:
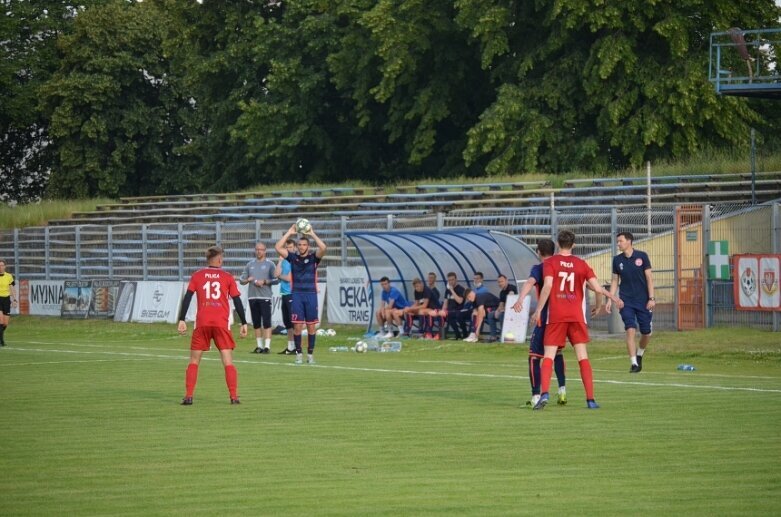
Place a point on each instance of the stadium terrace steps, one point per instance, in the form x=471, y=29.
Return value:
x=421, y=200
x=676, y=180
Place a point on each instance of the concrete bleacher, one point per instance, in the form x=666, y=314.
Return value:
x=417, y=200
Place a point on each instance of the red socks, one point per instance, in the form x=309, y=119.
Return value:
x=231, y=379
x=587, y=376
x=190, y=379
x=545, y=373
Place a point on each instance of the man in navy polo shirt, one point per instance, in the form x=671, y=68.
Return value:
x=632, y=270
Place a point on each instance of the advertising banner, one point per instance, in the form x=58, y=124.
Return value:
x=157, y=301
x=41, y=297
x=515, y=324
x=127, y=295
x=349, y=295
x=768, y=283
x=756, y=286
x=104, y=298
x=76, y=298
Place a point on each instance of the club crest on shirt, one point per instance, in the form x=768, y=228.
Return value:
x=638, y=262
x=621, y=266
x=306, y=261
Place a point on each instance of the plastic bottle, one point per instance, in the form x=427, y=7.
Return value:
x=390, y=346
x=339, y=349
x=686, y=367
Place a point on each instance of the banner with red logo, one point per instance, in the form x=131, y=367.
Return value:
x=756, y=286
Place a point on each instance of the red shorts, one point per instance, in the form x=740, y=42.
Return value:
x=202, y=337
x=556, y=334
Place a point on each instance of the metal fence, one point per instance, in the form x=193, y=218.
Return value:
x=174, y=251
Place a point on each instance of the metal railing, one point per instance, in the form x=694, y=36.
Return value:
x=173, y=251
x=745, y=61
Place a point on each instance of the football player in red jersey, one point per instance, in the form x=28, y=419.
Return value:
x=213, y=287
x=564, y=285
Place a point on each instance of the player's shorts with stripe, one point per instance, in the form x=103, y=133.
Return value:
x=303, y=308
x=5, y=305
x=260, y=308
x=203, y=336
x=556, y=334
x=536, y=346
x=637, y=316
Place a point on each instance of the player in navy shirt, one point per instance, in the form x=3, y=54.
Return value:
x=545, y=249
x=423, y=301
x=303, y=287
x=496, y=317
x=483, y=303
x=436, y=296
x=632, y=270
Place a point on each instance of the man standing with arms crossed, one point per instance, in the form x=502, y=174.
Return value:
x=565, y=276
x=303, y=276
x=632, y=269
x=260, y=275
x=212, y=287
x=7, y=299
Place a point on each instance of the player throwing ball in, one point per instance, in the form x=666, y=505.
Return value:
x=303, y=277
x=564, y=284
x=212, y=287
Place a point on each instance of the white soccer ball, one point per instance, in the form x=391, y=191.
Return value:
x=509, y=336
x=360, y=347
x=330, y=332
x=320, y=332
x=303, y=225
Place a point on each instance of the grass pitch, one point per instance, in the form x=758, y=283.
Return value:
x=91, y=424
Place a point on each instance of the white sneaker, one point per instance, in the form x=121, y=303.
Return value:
x=310, y=359
x=534, y=400
x=471, y=338
x=387, y=335
x=299, y=358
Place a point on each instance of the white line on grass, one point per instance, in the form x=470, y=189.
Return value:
x=409, y=372
x=84, y=361
x=460, y=363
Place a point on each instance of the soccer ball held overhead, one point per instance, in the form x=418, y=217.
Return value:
x=303, y=225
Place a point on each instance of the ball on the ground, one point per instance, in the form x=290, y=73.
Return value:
x=303, y=225
x=330, y=332
x=320, y=332
x=509, y=336
x=360, y=347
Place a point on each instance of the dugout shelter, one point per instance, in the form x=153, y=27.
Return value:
x=402, y=256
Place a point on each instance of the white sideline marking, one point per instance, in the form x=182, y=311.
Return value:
x=521, y=364
x=388, y=370
x=84, y=361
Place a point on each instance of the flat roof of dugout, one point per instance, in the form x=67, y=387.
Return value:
x=403, y=256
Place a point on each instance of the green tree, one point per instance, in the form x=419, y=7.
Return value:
x=211, y=56
x=28, y=58
x=115, y=113
x=377, y=91
x=595, y=84
x=416, y=82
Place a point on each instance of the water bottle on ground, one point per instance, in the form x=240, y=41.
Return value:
x=686, y=367
x=339, y=349
x=390, y=346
